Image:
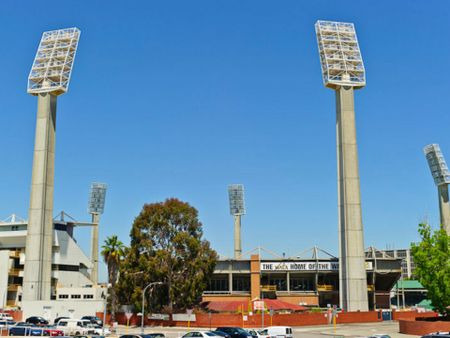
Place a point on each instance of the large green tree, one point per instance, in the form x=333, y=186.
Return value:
x=167, y=246
x=113, y=251
x=432, y=260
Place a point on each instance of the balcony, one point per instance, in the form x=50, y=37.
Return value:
x=11, y=302
x=14, y=272
x=325, y=287
x=268, y=288
x=13, y=287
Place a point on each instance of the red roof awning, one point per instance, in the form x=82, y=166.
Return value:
x=237, y=306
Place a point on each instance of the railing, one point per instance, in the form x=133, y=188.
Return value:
x=268, y=288
x=325, y=287
x=14, y=254
x=11, y=302
x=13, y=287
x=14, y=272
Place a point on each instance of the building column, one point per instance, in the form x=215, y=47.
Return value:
x=444, y=207
x=288, y=278
x=38, y=254
x=237, y=237
x=94, y=248
x=230, y=282
x=352, y=272
x=255, y=277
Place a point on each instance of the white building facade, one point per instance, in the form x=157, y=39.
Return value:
x=70, y=266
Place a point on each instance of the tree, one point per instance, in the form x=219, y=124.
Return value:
x=113, y=251
x=432, y=261
x=167, y=246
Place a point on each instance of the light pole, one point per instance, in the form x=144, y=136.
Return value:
x=143, y=302
x=104, y=308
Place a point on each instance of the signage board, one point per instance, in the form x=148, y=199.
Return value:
x=258, y=305
x=305, y=266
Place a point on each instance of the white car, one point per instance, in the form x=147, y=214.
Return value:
x=280, y=331
x=259, y=333
x=6, y=317
x=99, y=331
x=201, y=334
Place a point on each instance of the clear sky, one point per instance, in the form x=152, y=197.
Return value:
x=182, y=98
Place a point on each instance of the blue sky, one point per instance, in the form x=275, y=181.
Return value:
x=182, y=98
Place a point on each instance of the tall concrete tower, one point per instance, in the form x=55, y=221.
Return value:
x=237, y=209
x=441, y=176
x=343, y=71
x=49, y=77
x=96, y=208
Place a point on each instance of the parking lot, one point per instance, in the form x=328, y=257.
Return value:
x=323, y=331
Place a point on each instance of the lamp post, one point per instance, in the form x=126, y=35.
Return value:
x=105, y=303
x=143, y=302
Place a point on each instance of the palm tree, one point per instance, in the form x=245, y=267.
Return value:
x=113, y=252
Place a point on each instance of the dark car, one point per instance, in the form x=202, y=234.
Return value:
x=94, y=320
x=57, y=319
x=25, y=329
x=235, y=332
x=222, y=334
x=37, y=320
x=437, y=335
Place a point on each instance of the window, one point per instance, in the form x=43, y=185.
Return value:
x=241, y=283
x=63, y=296
x=301, y=284
x=88, y=296
x=75, y=296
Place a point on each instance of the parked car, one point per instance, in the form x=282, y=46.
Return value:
x=40, y=321
x=437, y=335
x=284, y=331
x=25, y=329
x=260, y=333
x=6, y=323
x=222, y=334
x=201, y=334
x=75, y=327
x=149, y=335
x=6, y=317
x=235, y=332
x=57, y=319
x=94, y=320
x=53, y=332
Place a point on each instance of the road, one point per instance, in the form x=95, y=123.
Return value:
x=317, y=331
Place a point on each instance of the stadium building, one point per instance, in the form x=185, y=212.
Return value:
x=306, y=281
x=71, y=268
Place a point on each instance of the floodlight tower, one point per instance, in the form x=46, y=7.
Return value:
x=343, y=71
x=49, y=77
x=441, y=176
x=96, y=208
x=237, y=209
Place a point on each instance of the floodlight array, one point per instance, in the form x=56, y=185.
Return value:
x=97, y=198
x=437, y=164
x=340, y=57
x=236, y=197
x=53, y=62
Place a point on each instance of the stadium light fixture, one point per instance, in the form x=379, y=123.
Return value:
x=97, y=198
x=52, y=66
x=340, y=56
x=236, y=198
x=437, y=164
x=48, y=78
x=237, y=209
x=343, y=70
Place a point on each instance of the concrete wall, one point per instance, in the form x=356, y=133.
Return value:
x=56, y=308
x=420, y=327
x=4, y=269
x=297, y=319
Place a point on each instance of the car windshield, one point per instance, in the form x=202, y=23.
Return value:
x=210, y=334
x=264, y=332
